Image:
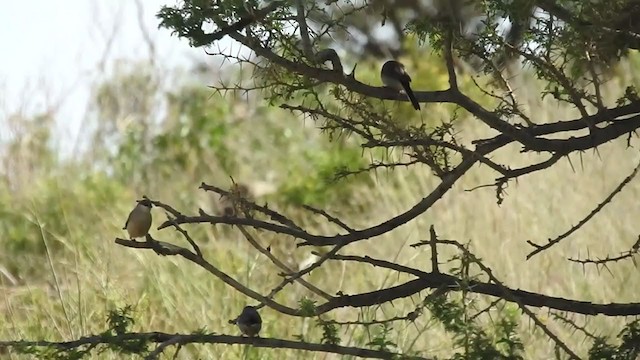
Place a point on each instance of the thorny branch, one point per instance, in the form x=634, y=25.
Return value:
x=531, y=143
x=508, y=295
x=628, y=254
x=423, y=282
x=184, y=339
x=281, y=265
x=551, y=242
x=324, y=240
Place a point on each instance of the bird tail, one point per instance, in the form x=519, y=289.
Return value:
x=412, y=97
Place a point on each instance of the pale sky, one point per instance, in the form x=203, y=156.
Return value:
x=51, y=51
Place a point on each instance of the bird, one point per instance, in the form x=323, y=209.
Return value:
x=249, y=321
x=394, y=76
x=139, y=220
x=232, y=203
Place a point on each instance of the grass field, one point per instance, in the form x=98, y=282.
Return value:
x=68, y=291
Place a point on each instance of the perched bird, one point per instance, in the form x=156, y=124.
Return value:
x=394, y=75
x=249, y=321
x=139, y=220
x=232, y=204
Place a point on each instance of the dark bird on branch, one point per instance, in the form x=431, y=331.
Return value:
x=394, y=76
x=249, y=321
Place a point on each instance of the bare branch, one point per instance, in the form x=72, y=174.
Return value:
x=539, y=248
x=200, y=261
x=273, y=215
x=448, y=56
x=451, y=283
x=280, y=264
x=304, y=31
x=329, y=218
x=434, y=250
x=320, y=240
x=176, y=214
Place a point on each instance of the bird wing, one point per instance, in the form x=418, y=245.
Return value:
x=127, y=222
x=410, y=94
x=405, y=77
x=254, y=318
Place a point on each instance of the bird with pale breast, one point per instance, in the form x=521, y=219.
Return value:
x=394, y=76
x=249, y=321
x=139, y=220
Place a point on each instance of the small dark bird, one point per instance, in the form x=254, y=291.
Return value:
x=139, y=220
x=249, y=321
x=394, y=75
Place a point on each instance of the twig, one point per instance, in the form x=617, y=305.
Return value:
x=595, y=80
x=290, y=278
x=176, y=215
x=280, y=264
x=330, y=218
x=575, y=326
x=382, y=263
x=273, y=215
x=514, y=173
x=163, y=345
x=448, y=56
x=635, y=249
x=304, y=31
x=200, y=261
x=434, y=251
x=539, y=248
x=509, y=295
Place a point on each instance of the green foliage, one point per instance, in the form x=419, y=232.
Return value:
x=188, y=21
x=314, y=181
x=381, y=340
x=195, y=131
x=307, y=306
x=601, y=350
x=119, y=323
x=120, y=320
x=500, y=340
x=329, y=333
x=628, y=349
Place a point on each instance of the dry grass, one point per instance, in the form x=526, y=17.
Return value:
x=93, y=275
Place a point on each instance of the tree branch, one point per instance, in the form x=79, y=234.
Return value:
x=304, y=31
x=320, y=240
x=281, y=265
x=183, y=339
x=539, y=248
x=185, y=253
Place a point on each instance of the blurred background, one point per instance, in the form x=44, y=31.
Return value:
x=99, y=107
